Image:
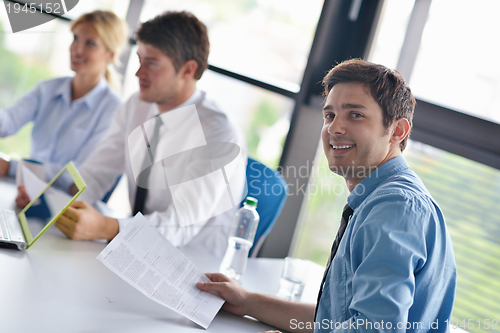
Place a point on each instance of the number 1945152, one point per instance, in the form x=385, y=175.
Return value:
x=465, y=324
x=47, y=7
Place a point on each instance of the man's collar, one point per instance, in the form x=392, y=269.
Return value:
x=374, y=179
x=193, y=99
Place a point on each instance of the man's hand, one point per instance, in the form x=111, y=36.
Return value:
x=234, y=294
x=267, y=309
x=73, y=189
x=82, y=222
x=4, y=167
x=22, y=197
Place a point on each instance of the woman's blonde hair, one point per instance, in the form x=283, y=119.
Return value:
x=113, y=32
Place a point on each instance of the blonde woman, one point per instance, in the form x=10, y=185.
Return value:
x=71, y=114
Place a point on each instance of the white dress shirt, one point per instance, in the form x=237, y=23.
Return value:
x=112, y=157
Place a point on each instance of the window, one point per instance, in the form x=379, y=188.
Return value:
x=264, y=116
x=320, y=215
x=459, y=49
x=390, y=33
x=269, y=40
x=119, y=7
x=28, y=57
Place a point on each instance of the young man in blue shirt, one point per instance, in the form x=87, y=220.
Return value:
x=393, y=269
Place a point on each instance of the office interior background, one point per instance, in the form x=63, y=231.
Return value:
x=266, y=61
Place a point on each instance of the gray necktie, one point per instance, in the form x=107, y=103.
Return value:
x=147, y=165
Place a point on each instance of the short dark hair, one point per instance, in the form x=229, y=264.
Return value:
x=180, y=36
x=387, y=86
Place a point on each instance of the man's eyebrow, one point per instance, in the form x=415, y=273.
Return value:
x=147, y=58
x=352, y=106
x=345, y=106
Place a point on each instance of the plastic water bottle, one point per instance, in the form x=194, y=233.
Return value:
x=240, y=240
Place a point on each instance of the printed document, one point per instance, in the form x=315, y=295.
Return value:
x=140, y=255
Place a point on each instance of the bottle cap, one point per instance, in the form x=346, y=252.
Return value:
x=251, y=201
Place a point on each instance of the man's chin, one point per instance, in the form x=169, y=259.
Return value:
x=345, y=169
x=144, y=96
x=352, y=171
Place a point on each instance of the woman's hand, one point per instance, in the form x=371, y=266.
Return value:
x=22, y=197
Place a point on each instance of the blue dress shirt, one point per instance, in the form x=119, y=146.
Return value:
x=63, y=130
x=394, y=270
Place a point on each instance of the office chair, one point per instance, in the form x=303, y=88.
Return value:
x=270, y=189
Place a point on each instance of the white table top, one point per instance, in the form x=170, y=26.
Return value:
x=58, y=285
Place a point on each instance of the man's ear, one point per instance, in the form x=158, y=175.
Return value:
x=400, y=130
x=189, y=69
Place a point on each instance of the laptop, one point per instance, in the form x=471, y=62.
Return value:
x=15, y=231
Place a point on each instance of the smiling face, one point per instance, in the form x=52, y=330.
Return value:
x=88, y=53
x=355, y=140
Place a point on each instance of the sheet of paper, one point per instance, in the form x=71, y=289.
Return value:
x=141, y=256
x=32, y=183
x=36, y=168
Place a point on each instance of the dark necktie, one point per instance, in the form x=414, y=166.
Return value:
x=147, y=165
x=346, y=214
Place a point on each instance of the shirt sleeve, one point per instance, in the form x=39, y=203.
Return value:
x=14, y=117
x=387, y=250
x=101, y=169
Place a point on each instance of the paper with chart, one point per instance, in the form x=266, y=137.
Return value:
x=141, y=256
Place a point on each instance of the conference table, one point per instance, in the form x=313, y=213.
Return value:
x=58, y=285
